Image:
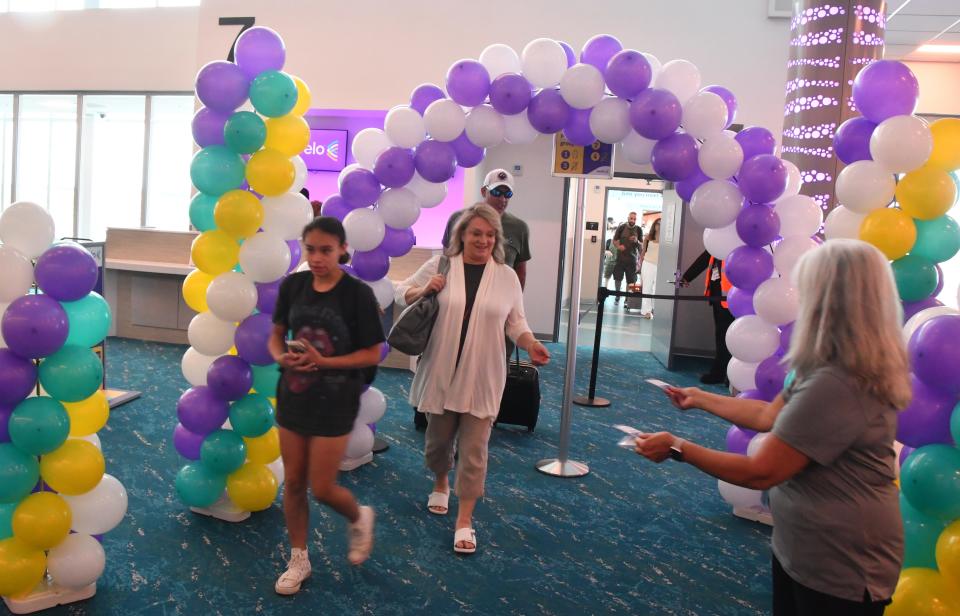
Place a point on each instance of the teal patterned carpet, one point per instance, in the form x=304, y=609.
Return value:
x=629, y=538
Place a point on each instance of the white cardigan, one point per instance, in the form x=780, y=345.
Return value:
x=476, y=386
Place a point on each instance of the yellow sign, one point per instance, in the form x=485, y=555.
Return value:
x=570, y=160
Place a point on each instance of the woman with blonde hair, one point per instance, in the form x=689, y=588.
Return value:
x=648, y=268
x=462, y=373
x=828, y=459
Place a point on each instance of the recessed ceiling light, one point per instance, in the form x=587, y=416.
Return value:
x=939, y=48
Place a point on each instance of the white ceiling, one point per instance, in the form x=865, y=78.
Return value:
x=911, y=23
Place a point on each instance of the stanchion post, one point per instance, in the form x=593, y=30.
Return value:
x=591, y=399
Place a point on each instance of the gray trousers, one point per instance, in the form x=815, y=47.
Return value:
x=450, y=432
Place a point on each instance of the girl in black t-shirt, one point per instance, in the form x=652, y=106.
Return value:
x=336, y=330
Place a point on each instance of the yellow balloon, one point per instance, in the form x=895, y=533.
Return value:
x=923, y=592
x=270, y=173
x=88, y=416
x=239, y=213
x=926, y=193
x=890, y=230
x=948, y=553
x=946, y=144
x=253, y=487
x=303, y=97
x=23, y=567
x=265, y=448
x=195, y=289
x=289, y=134
x=42, y=520
x=215, y=252
x=76, y=467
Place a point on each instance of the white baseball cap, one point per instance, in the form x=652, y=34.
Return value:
x=498, y=177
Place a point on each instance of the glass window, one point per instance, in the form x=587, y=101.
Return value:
x=165, y=3
x=47, y=154
x=6, y=149
x=168, y=173
x=127, y=4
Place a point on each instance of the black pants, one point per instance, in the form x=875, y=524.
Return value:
x=721, y=321
x=793, y=599
x=621, y=268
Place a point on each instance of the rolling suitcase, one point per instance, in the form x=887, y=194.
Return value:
x=520, y=405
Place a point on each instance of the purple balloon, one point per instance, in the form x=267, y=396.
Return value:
x=740, y=302
x=423, y=95
x=912, y=308
x=398, y=242
x=222, y=86
x=571, y=54
x=655, y=113
x=394, y=167
x=628, y=73
x=259, y=49
x=675, y=157
x=252, y=335
x=207, y=127
x=468, y=83
x=939, y=287
x=295, y=253
x=885, y=88
x=348, y=269
x=371, y=265
x=187, y=443
x=786, y=331
x=230, y=377
x=728, y=98
x=685, y=188
x=770, y=376
x=18, y=376
x=435, y=161
x=267, y=295
x=927, y=419
x=599, y=50
x=201, y=411
x=758, y=224
x=751, y=394
x=935, y=353
x=852, y=140
x=548, y=112
x=905, y=452
x=360, y=188
x=738, y=439
x=577, y=131
x=336, y=207
x=755, y=140
x=763, y=178
x=5, y=412
x=384, y=351
x=35, y=326
x=468, y=155
x=67, y=272
x=510, y=93
x=747, y=267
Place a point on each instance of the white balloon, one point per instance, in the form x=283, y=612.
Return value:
x=544, y=62
x=742, y=375
x=444, y=120
x=209, y=335
x=655, y=66
x=776, y=301
x=99, y=510
x=722, y=241
x=276, y=467
x=3, y=308
x=799, y=216
x=704, y=115
x=682, y=78
x=865, y=186
x=93, y=439
x=286, y=214
x=716, y=204
x=901, y=143
x=429, y=194
x=404, y=126
x=922, y=317
x=27, y=227
x=794, y=180
x=373, y=405
x=367, y=145
x=756, y=442
x=232, y=296
x=76, y=562
x=484, y=126
x=346, y=170
x=582, y=86
x=360, y=442
x=751, y=339
x=499, y=59
x=265, y=257
x=638, y=148
x=518, y=130
x=383, y=290
x=398, y=208
x=788, y=253
x=17, y=274
x=739, y=497
x=610, y=120
x=842, y=223
x=365, y=229
x=194, y=366
x=299, y=174
x=720, y=156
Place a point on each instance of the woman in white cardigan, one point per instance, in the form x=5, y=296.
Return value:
x=461, y=375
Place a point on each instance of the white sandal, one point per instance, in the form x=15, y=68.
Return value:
x=465, y=535
x=438, y=500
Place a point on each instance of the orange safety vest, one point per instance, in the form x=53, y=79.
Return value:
x=725, y=284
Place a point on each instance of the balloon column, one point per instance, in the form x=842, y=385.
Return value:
x=52, y=480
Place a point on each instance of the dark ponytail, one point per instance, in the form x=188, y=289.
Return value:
x=330, y=226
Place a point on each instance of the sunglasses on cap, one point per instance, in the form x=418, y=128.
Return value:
x=501, y=191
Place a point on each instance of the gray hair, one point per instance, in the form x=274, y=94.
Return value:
x=485, y=212
x=850, y=318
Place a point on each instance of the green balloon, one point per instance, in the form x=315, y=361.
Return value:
x=273, y=93
x=955, y=424
x=6, y=520
x=251, y=415
x=89, y=319
x=265, y=379
x=39, y=425
x=920, y=534
x=791, y=377
x=223, y=452
x=916, y=277
x=19, y=473
x=245, y=132
x=71, y=374
x=930, y=479
x=201, y=212
x=197, y=486
x=938, y=240
x=216, y=169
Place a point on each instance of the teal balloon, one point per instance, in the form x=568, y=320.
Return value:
x=245, y=132
x=201, y=212
x=920, y=534
x=273, y=93
x=198, y=486
x=6, y=520
x=223, y=451
x=89, y=320
x=216, y=169
x=39, y=425
x=251, y=415
x=955, y=424
x=938, y=240
x=930, y=479
x=265, y=379
x=916, y=277
x=71, y=374
x=791, y=377
x=19, y=473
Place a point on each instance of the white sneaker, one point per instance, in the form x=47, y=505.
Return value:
x=298, y=570
x=361, y=537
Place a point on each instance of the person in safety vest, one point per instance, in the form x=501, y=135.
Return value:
x=716, y=285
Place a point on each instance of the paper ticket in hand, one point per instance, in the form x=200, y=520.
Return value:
x=658, y=383
x=629, y=441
